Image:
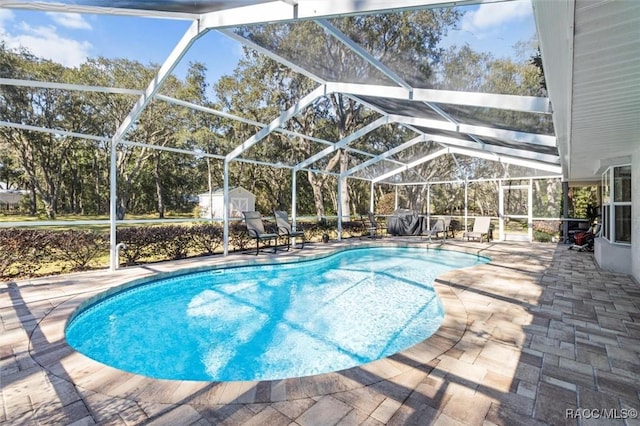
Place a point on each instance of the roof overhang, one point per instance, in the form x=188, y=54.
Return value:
x=591, y=57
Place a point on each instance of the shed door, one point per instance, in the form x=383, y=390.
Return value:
x=238, y=205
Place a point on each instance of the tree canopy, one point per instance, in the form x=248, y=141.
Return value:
x=70, y=174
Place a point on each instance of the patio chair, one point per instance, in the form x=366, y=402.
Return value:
x=371, y=225
x=285, y=230
x=439, y=227
x=480, y=228
x=255, y=229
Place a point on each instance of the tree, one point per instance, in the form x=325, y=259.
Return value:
x=41, y=155
x=416, y=34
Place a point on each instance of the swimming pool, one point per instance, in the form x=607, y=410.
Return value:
x=271, y=321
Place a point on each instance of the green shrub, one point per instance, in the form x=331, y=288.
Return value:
x=542, y=236
x=23, y=251
x=77, y=248
x=206, y=238
x=138, y=242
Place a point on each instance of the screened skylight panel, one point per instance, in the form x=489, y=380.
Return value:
x=401, y=107
x=400, y=43
x=306, y=45
x=434, y=134
x=501, y=119
x=540, y=149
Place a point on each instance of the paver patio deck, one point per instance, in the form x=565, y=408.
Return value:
x=539, y=335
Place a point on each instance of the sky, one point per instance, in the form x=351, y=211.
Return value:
x=71, y=38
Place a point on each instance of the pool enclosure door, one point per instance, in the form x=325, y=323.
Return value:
x=516, y=215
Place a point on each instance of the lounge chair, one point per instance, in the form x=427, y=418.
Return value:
x=285, y=230
x=255, y=229
x=480, y=228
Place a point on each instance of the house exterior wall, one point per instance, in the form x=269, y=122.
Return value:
x=612, y=257
x=619, y=257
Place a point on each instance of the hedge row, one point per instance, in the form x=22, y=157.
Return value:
x=28, y=252
x=25, y=251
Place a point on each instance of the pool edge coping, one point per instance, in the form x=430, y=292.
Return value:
x=67, y=364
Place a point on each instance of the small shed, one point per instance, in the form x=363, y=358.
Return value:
x=10, y=199
x=212, y=204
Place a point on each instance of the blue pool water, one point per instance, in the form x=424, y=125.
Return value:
x=270, y=322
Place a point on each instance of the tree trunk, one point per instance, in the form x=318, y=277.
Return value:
x=318, y=199
x=156, y=175
x=344, y=187
x=33, y=201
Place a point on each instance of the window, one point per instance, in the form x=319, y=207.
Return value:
x=616, y=204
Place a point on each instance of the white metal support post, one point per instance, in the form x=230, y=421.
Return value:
x=225, y=210
x=530, y=210
x=565, y=211
x=466, y=202
x=429, y=208
x=395, y=203
x=294, y=192
x=371, y=204
x=339, y=208
x=113, y=209
x=500, y=211
x=294, y=210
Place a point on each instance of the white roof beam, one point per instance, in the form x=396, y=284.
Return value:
x=67, y=86
x=521, y=153
x=553, y=168
x=385, y=155
x=510, y=135
x=322, y=8
x=343, y=142
x=473, y=153
x=411, y=165
x=475, y=99
x=275, y=11
x=280, y=10
x=95, y=10
x=54, y=131
x=283, y=118
x=193, y=32
x=106, y=139
x=171, y=149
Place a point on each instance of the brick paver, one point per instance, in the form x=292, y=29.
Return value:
x=532, y=338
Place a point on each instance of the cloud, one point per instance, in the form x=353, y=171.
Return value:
x=43, y=41
x=5, y=15
x=489, y=16
x=70, y=20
